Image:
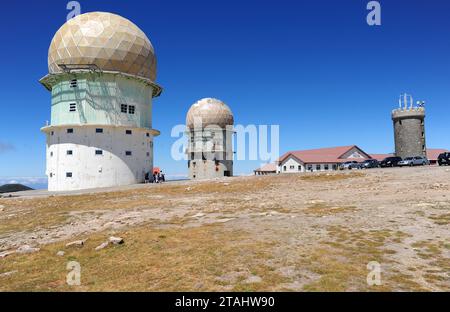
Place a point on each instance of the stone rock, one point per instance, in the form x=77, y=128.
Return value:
x=102, y=246
x=6, y=274
x=253, y=279
x=7, y=253
x=116, y=240
x=60, y=253
x=26, y=249
x=78, y=243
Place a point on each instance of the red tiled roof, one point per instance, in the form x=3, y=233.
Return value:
x=324, y=155
x=380, y=157
x=433, y=153
x=268, y=168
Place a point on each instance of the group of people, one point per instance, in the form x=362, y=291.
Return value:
x=156, y=177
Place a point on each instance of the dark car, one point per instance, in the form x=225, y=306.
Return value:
x=444, y=159
x=349, y=165
x=369, y=163
x=390, y=161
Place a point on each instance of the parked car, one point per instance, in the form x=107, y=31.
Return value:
x=414, y=161
x=444, y=159
x=349, y=165
x=369, y=163
x=390, y=162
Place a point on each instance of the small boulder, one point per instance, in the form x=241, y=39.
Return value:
x=78, y=243
x=7, y=253
x=6, y=274
x=26, y=249
x=116, y=240
x=253, y=279
x=102, y=246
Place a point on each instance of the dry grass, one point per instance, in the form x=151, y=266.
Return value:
x=442, y=219
x=151, y=259
x=322, y=209
x=342, y=262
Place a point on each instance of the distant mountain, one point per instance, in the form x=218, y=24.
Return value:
x=10, y=188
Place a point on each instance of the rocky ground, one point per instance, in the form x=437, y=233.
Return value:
x=302, y=232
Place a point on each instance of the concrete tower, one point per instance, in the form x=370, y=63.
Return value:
x=209, y=125
x=102, y=71
x=409, y=128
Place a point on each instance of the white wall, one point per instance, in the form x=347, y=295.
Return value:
x=292, y=166
x=89, y=170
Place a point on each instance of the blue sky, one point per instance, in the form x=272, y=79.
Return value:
x=313, y=67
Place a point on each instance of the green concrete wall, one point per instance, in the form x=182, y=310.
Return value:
x=98, y=98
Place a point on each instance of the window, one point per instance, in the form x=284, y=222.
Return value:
x=69, y=152
x=72, y=107
x=317, y=167
x=98, y=152
x=284, y=168
x=52, y=133
x=70, y=130
x=51, y=175
x=124, y=108
x=299, y=168
x=291, y=167
x=128, y=153
x=147, y=134
x=128, y=132
x=148, y=154
x=326, y=167
x=73, y=83
x=131, y=109
x=99, y=130
x=68, y=174
x=51, y=154
x=310, y=168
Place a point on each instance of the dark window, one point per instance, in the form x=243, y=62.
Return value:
x=317, y=167
x=73, y=83
x=147, y=134
x=284, y=168
x=124, y=108
x=98, y=152
x=51, y=154
x=226, y=173
x=128, y=153
x=326, y=167
x=299, y=168
x=69, y=152
x=99, y=130
x=128, y=132
x=51, y=175
x=131, y=109
x=148, y=154
x=52, y=133
x=70, y=130
x=72, y=107
x=68, y=174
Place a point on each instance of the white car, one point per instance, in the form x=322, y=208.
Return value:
x=414, y=161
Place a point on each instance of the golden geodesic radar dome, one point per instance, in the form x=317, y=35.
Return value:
x=210, y=112
x=106, y=40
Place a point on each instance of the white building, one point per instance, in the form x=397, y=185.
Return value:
x=209, y=124
x=102, y=70
x=322, y=159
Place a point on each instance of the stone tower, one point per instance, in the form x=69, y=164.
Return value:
x=409, y=128
x=209, y=124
